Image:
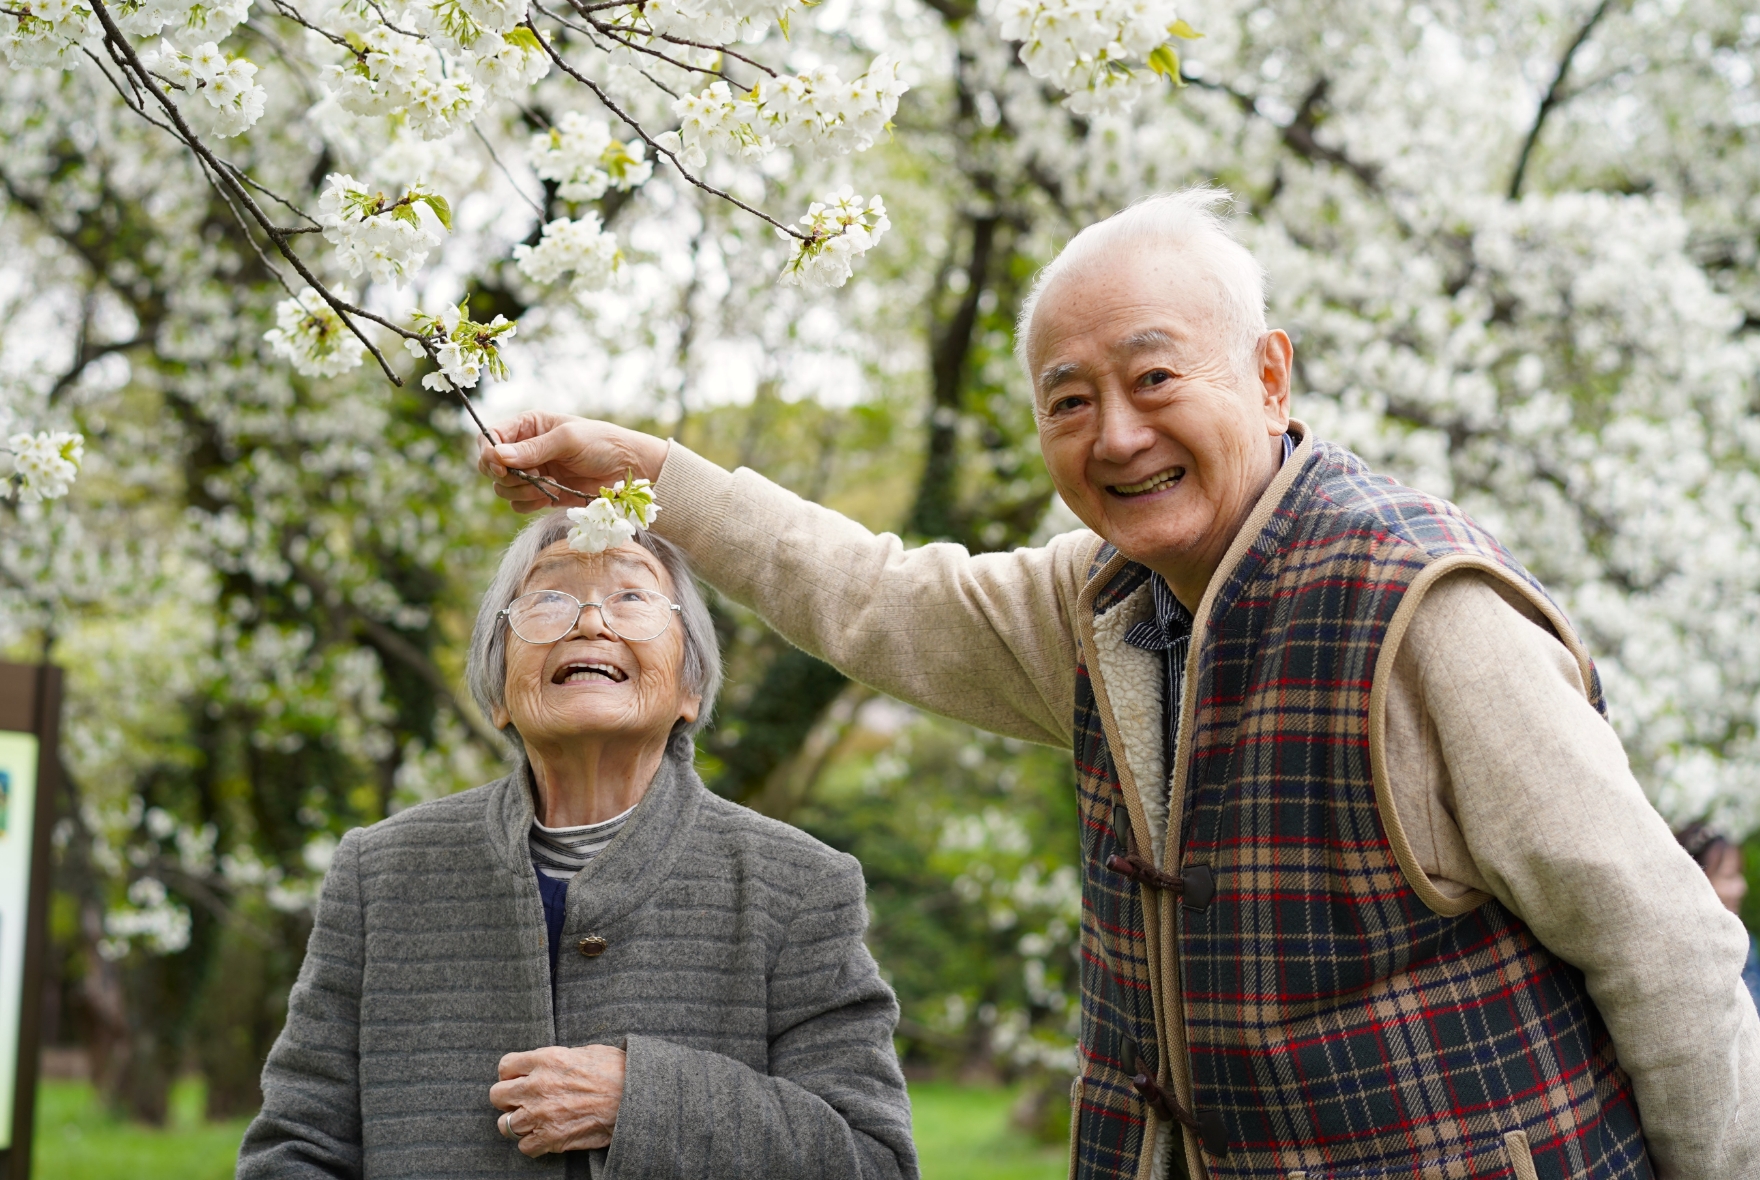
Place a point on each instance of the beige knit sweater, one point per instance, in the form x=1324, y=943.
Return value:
x=1503, y=779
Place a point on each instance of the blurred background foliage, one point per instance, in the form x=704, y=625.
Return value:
x=1519, y=271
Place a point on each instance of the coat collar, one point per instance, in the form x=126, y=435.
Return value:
x=638, y=858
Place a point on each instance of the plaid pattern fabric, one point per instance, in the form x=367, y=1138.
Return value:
x=1339, y=1027
x=1116, y=1004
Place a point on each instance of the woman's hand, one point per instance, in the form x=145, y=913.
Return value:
x=579, y=453
x=560, y=1099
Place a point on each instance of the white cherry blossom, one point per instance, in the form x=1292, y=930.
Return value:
x=44, y=465
x=584, y=160
x=840, y=229
x=578, y=247
x=47, y=33
x=385, y=236
x=1103, y=53
x=616, y=515
x=461, y=348
x=214, y=92
x=310, y=334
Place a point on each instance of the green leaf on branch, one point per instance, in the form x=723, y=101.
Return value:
x=1165, y=61
x=406, y=213
x=441, y=208
x=1180, y=28
x=524, y=38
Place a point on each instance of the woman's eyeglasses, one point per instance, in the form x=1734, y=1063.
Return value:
x=545, y=616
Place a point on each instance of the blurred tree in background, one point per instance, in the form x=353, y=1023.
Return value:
x=1515, y=244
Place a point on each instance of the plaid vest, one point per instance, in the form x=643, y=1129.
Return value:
x=1329, y=1023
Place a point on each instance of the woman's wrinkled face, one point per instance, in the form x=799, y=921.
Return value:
x=591, y=682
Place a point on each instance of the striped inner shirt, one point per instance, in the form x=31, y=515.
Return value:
x=560, y=853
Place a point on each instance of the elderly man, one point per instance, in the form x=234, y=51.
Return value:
x=1369, y=890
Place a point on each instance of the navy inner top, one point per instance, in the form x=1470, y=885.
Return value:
x=555, y=895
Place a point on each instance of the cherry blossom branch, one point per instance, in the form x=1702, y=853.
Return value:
x=116, y=44
x=611, y=105
x=721, y=49
x=611, y=32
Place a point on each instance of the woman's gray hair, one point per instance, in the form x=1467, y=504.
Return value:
x=487, y=669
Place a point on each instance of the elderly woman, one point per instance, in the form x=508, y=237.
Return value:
x=591, y=967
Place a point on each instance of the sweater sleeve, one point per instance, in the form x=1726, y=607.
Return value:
x=986, y=639
x=310, y=1124
x=833, y=1105
x=1561, y=833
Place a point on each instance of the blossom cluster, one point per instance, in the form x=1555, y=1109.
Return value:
x=150, y=917
x=579, y=154
x=44, y=465
x=617, y=515
x=397, y=70
x=310, y=334
x=216, y=92
x=839, y=230
x=717, y=22
x=817, y=113
x=1103, y=53
x=196, y=22
x=47, y=32
x=460, y=346
x=578, y=247
x=376, y=233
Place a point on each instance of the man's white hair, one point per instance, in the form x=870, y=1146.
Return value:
x=1193, y=222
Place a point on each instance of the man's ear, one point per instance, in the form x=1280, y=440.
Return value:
x=1273, y=360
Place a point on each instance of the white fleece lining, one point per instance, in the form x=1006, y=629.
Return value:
x=1134, y=680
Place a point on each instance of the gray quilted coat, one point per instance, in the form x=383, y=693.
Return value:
x=758, y=1030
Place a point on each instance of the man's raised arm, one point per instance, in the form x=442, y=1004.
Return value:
x=987, y=639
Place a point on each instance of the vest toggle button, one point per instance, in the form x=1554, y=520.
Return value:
x=1199, y=887
x=592, y=946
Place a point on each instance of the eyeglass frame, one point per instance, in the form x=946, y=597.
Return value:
x=580, y=609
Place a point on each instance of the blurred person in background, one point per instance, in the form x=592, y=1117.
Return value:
x=1369, y=888
x=593, y=966
x=1721, y=858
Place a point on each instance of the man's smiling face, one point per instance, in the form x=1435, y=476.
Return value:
x=1152, y=436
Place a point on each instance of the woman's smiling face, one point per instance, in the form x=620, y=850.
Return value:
x=591, y=682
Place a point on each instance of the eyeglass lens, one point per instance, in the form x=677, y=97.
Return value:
x=545, y=616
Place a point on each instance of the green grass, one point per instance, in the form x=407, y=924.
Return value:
x=77, y=1139
x=962, y=1134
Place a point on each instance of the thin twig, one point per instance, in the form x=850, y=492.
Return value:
x=293, y=15
x=490, y=148
x=623, y=38
x=374, y=4
x=721, y=49
x=245, y=229
x=274, y=196
x=612, y=106
x=1554, y=94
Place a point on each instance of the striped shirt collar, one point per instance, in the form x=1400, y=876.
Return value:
x=560, y=853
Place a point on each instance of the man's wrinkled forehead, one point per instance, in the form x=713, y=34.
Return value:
x=1164, y=304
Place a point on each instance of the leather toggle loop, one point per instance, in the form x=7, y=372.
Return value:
x=1138, y=869
x=1208, y=1124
